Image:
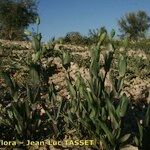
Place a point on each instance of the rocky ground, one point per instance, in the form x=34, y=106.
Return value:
x=136, y=88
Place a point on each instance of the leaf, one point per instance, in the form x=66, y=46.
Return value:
x=107, y=131
x=113, y=115
x=27, y=109
x=108, y=60
x=66, y=60
x=93, y=113
x=112, y=34
x=136, y=141
x=39, y=37
x=35, y=78
x=78, y=81
x=19, y=129
x=102, y=37
x=94, y=68
x=122, y=66
x=120, y=84
x=7, y=79
x=38, y=20
x=37, y=56
x=29, y=94
x=70, y=117
x=123, y=105
x=89, y=100
x=111, y=47
x=49, y=115
x=39, y=123
x=27, y=32
x=104, y=116
x=59, y=110
x=71, y=89
x=17, y=116
x=124, y=138
x=140, y=131
x=147, y=116
x=10, y=114
x=125, y=42
x=36, y=43
x=117, y=133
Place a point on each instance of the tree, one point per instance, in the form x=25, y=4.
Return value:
x=15, y=16
x=134, y=25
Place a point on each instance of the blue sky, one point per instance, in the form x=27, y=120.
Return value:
x=61, y=16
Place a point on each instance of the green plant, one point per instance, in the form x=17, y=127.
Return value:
x=142, y=139
x=23, y=115
x=95, y=34
x=33, y=111
x=91, y=109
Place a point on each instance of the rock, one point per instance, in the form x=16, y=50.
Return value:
x=138, y=89
x=129, y=147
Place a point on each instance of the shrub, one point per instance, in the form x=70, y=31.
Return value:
x=19, y=16
x=134, y=25
x=73, y=38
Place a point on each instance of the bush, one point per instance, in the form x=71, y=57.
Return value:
x=19, y=16
x=75, y=38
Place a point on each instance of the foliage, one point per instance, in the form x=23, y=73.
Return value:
x=80, y=61
x=15, y=16
x=142, y=45
x=97, y=112
x=137, y=64
x=137, y=54
x=91, y=112
x=134, y=24
x=31, y=112
x=94, y=35
x=142, y=138
x=75, y=38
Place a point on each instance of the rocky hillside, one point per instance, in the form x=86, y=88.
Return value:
x=137, y=86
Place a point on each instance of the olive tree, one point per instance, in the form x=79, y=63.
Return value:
x=134, y=24
x=15, y=16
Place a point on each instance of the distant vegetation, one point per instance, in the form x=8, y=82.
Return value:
x=134, y=25
x=15, y=16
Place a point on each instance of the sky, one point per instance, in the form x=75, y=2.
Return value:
x=59, y=17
